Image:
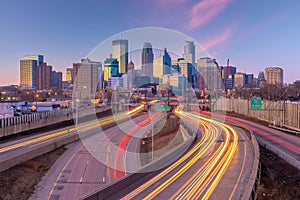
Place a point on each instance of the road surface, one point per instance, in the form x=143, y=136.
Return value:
x=95, y=161
x=217, y=167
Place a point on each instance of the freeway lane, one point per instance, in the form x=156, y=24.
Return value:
x=285, y=144
x=84, y=173
x=17, y=149
x=215, y=167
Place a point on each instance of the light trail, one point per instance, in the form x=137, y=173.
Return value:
x=215, y=168
x=206, y=179
x=204, y=140
x=51, y=136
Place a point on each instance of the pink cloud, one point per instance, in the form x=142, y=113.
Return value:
x=205, y=10
x=223, y=37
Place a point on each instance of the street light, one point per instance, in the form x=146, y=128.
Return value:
x=37, y=96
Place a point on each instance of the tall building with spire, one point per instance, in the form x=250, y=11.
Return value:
x=120, y=52
x=189, y=52
x=147, y=60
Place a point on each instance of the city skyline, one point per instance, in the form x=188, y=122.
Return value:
x=230, y=29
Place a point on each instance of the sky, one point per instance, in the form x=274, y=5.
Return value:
x=254, y=34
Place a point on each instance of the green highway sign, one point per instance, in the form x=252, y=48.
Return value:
x=256, y=103
x=162, y=98
x=162, y=108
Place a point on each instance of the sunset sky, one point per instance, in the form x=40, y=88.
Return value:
x=254, y=34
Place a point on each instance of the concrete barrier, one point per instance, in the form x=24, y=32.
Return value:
x=24, y=156
x=172, y=156
x=254, y=178
x=281, y=154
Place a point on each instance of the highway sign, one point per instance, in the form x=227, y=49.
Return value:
x=256, y=103
x=162, y=108
x=162, y=98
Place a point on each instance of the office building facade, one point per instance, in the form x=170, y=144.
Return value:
x=28, y=70
x=274, y=76
x=147, y=60
x=209, y=74
x=189, y=52
x=56, y=79
x=120, y=52
x=228, y=73
x=162, y=65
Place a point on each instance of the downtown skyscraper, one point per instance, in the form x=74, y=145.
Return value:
x=162, y=65
x=43, y=76
x=28, y=70
x=120, y=52
x=274, y=76
x=189, y=52
x=147, y=60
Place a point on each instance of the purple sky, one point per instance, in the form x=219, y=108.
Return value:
x=254, y=34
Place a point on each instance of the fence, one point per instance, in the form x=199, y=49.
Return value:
x=281, y=113
x=13, y=125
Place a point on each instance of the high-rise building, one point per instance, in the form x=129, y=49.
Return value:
x=101, y=76
x=189, y=52
x=76, y=67
x=185, y=68
x=178, y=84
x=239, y=79
x=147, y=59
x=274, y=75
x=209, y=74
x=249, y=79
x=120, y=52
x=86, y=78
x=56, y=79
x=228, y=73
x=131, y=74
x=38, y=58
x=43, y=76
x=111, y=68
x=162, y=64
x=69, y=74
x=261, y=76
x=27, y=73
x=130, y=66
x=28, y=70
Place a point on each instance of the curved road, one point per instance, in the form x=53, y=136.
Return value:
x=286, y=145
x=217, y=167
x=82, y=172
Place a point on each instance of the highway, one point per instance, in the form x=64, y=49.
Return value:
x=284, y=144
x=35, y=140
x=216, y=167
x=96, y=161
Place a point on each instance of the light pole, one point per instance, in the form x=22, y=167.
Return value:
x=36, y=100
x=152, y=135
